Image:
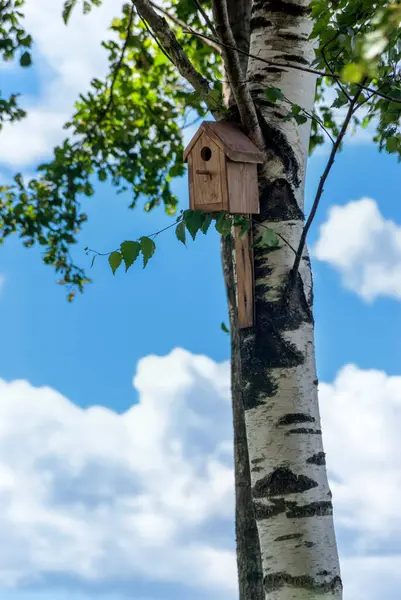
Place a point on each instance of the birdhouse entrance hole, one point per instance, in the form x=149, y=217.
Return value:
x=206, y=153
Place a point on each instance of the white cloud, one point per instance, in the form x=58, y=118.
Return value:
x=98, y=496
x=361, y=415
x=2, y=282
x=66, y=59
x=361, y=420
x=104, y=499
x=364, y=247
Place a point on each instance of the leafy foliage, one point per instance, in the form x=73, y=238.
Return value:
x=128, y=129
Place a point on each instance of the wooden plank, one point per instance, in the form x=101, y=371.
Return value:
x=245, y=279
x=206, y=175
x=243, y=188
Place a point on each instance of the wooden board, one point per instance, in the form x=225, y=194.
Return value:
x=243, y=188
x=245, y=279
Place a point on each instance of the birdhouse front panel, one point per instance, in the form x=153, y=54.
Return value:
x=207, y=176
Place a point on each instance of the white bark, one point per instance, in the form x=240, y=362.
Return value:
x=291, y=495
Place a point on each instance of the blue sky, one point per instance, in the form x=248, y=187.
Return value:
x=79, y=489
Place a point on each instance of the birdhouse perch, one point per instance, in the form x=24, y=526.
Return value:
x=222, y=172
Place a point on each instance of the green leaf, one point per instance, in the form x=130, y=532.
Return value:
x=180, y=232
x=193, y=220
x=223, y=224
x=224, y=328
x=206, y=223
x=148, y=248
x=273, y=94
x=115, y=260
x=270, y=238
x=130, y=252
x=102, y=175
x=68, y=6
x=340, y=101
x=353, y=73
x=25, y=60
x=392, y=144
x=300, y=119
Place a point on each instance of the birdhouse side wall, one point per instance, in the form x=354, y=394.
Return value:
x=243, y=189
x=207, y=176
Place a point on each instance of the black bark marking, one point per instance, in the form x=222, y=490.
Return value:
x=267, y=511
x=260, y=23
x=317, y=459
x=293, y=37
x=256, y=469
x=276, y=581
x=304, y=431
x=292, y=58
x=290, y=536
x=286, y=8
x=293, y=418
x=316, y=382
x=314, y=509
x=278, y=203
x=277, y=143
x=309, y=544
x=282, y=482
x=257, y=461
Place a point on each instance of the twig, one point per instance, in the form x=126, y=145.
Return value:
x=273, y=63
x=259, y=224
x=344, y=91
x=178, y=57
x=184, y=25
x=205, y=16
x=319, y=192
x=239, y=86
x=117, y=70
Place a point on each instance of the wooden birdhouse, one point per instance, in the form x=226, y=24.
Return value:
x=222, y=170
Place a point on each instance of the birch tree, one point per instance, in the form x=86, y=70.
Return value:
x=270, y=66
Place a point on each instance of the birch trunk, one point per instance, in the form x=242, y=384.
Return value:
x=291, y=496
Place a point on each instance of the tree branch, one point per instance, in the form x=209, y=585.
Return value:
x=177, y=55
x=117, y=69
x=184, y=25
x=319, y=192
x=296, y=67
x=205, y=16
x=239, y=86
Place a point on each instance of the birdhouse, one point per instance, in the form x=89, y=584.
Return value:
x=222, y=170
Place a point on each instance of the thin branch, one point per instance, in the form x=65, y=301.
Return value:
x=173, y=48
x=344, y=91
x=259, y=224
x=117, y=70
x=184, y=25
x=151, y=235
x=239, y=86
x=295, y=67
x=205, y=16
x=319, y=192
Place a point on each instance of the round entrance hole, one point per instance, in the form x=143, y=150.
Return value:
x=206, y=153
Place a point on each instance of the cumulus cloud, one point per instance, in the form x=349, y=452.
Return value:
x=364, y=247
x=105, y=499
x=98, y=496
x=66, y=59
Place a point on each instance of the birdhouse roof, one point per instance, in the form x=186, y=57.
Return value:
x=230, y=139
